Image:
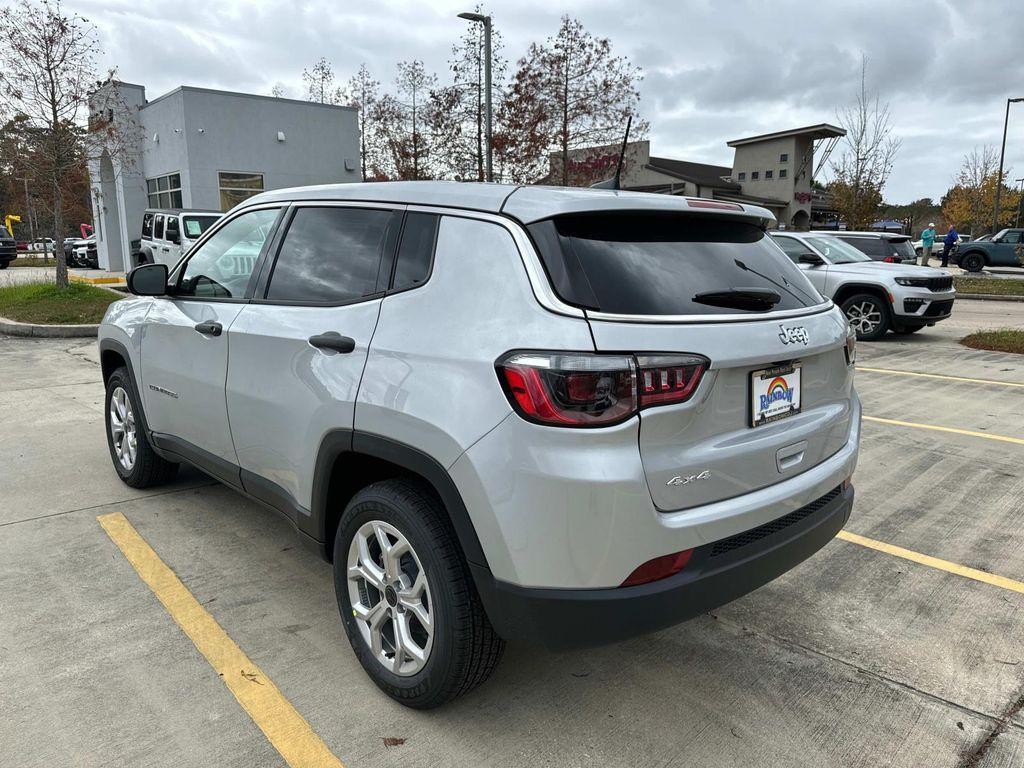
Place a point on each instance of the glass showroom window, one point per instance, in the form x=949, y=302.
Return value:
x=164, y=191
x=236, y=187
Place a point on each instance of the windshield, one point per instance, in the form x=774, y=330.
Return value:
x=641, y=263
x=836, y=251
x=196, y=225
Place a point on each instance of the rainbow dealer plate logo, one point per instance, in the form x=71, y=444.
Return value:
x=775, y=394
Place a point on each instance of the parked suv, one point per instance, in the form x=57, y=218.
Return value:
x=8, y=248
x=167, y=233
x=503, y=413
x=876, y=297
x=1005, y=249
x=881, y=246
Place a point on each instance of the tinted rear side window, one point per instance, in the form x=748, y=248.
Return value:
x=330, y=255
x=147, y=226
x=656, y=264
x=416, y=251
x=872, y=246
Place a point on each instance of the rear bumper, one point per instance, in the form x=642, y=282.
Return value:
x=717, y=573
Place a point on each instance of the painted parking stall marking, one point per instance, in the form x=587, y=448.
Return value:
x=951, y=430
x=940, y=376
x=933, y=562
x=286, y=730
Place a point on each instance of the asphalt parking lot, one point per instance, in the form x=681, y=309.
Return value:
x=858, y=657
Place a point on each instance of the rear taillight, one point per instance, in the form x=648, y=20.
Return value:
x=668, y=378
x=579, y=389
x=892, y=259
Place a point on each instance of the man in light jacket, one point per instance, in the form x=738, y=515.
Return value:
x=927, y=242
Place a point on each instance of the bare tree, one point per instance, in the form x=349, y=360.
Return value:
x=459, y=109
x=318, y=79
x=569, y=93
x=414, y=85
x=278, y=91
x=977, y=171
x=361, y=93
x=862, y=170
x=46, y=69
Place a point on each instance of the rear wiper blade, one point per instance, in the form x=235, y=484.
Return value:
x=752, y=299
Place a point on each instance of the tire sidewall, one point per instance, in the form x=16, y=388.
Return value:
x=885, y=323
x=368, y=505
x=972, y=262
x=121, y=378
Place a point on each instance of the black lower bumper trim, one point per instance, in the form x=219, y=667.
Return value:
x=561, y=619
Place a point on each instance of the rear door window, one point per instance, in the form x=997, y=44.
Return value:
x=661, y=264
x=872, y=246
x=147, y=226
x=416, y=250
x=331, y=255
x=158, y=227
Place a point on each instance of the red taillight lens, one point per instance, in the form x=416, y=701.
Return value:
x=572, y=390
x=668, y=378
x=658, y=568
x=891, y=260
x=590, y=390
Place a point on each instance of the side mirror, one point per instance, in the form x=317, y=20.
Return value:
x=811, y=258
x=148, y=280
x=172, y=236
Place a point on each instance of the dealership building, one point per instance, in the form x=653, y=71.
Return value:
x=199, y=148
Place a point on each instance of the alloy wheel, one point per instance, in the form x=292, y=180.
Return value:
x=865, y=317
x=122, y=428
x=390, y=598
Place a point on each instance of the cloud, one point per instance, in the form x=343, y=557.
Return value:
x=713, y=71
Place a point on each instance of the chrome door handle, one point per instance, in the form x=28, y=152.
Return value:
x=332, y=340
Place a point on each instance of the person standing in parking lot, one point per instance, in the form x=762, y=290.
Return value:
x=948, y=242
x=927, y=241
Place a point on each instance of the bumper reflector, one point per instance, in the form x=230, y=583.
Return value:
x=658, y=568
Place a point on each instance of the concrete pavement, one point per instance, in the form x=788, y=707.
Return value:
x=855, y=658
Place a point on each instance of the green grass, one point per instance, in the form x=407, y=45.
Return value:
x=45, y=303
x=1003, y=340
x=32, y=261
x=989, y=285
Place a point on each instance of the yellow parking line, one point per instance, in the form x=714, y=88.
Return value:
x=283, y=726
x=934, y=562
x=953, y=430
x=941, y=376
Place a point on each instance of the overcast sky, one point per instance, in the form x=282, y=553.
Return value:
x=714, y=70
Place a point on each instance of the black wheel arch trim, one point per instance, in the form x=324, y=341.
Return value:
x=113, y=345
x=341, y=441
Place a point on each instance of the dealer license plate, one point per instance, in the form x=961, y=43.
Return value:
x=775, y=394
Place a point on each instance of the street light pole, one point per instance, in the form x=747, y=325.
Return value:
x=1020, y=200
x=488, y=120
x=1002, y=156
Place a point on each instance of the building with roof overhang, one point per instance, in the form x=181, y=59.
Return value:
x=772, y=170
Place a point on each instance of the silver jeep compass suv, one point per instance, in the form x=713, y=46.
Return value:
x=556, y=416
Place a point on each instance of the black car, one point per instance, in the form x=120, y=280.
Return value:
x=8, y=248
x=881, y=246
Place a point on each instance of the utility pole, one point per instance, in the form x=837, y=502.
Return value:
x=488, y=123
x=1002, y=156
x=1020, y=200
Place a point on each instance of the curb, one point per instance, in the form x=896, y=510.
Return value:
x=988, y=297
x=14, y=328
x=100, y=281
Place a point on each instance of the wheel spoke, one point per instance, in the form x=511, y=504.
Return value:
x=404, y=640
x=368, y=573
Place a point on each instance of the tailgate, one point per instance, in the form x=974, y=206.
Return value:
x=706, y=449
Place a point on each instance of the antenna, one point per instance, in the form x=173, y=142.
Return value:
x=613, y=183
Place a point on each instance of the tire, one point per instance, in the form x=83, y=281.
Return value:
x=462, y=649
x=145, y=469
x=4, y=265
x=972, y=262
x=869, y=316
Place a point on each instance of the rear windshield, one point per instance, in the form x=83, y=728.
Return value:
x=657, y=264
x=903, y=248
x=196, y=225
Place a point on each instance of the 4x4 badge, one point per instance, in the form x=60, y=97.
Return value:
x=797, y=334
x=684, y=479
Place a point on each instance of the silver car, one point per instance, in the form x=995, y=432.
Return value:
x=556, y=416
x=876, y=297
